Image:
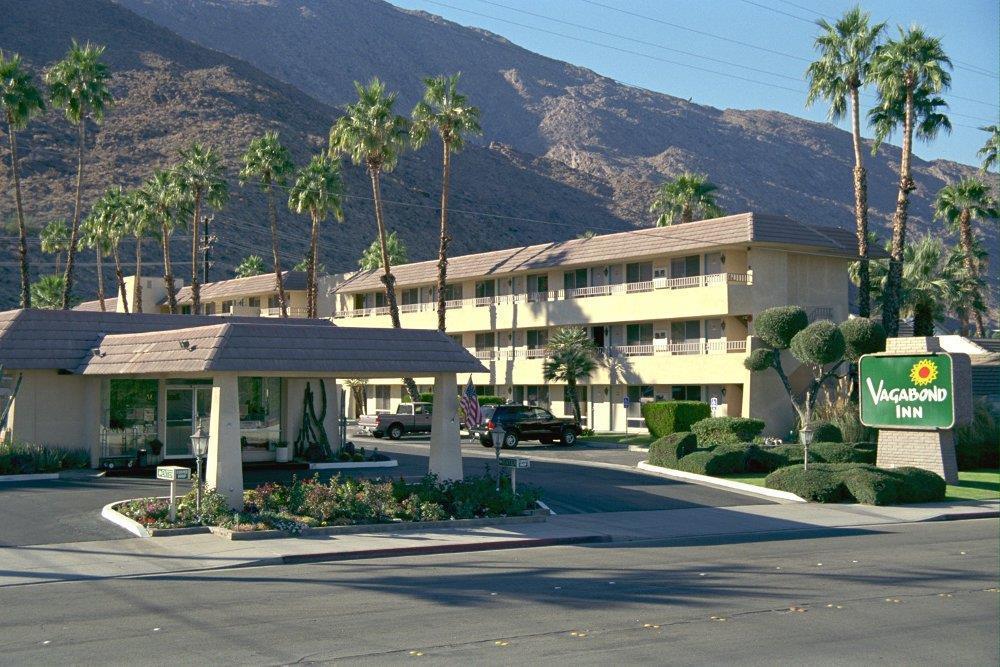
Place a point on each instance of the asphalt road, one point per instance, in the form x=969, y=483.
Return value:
x=908, y=594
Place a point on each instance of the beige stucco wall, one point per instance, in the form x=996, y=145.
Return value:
x=56, y=410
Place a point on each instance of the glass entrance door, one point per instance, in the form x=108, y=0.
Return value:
x=186, y=408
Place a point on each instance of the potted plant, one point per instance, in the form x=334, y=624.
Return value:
x=281, y=452
x=155, y=446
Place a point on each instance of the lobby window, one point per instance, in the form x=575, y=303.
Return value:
x=537, y=338
x=133, y=403
x=382, y=396
x=260, y=410
x=575, y=279
x=685, y=392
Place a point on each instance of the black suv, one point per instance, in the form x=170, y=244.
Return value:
x=525, y=422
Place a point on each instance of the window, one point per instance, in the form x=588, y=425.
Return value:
x=485, y=341
x=379, y=298
x=639, y=334
x=210, y=309
x=485, y=390
x=637, y=395
x=457, y=338
x=638, y=272
x=581, y=393
x=688, y=330
x=537, y=338
x=359, y=302
x=260, y=410
x=538, y=283
x=272, y=301
x=575, y=279
x=254, y=302
x=486, y=289
x=185, y=310
x=411, y=296
x=382, y=393
x=452, y=292
x=421, y=409
x=684, y=267
x=227, y=307
x=133, y=403
x=685, y=392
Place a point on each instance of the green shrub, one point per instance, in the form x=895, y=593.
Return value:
x=826, y=432
x=668, y=450
x=862, y=336
x=869, y=485
x=978, y=444
x=858, y=482
x=819, y=343
x=492, y=400
x=769, y=459
x=716, y=463
x=839, y=452
x=817, y=484
x=666, y=417
x=777, y=326
x=920, y=486
x=726, y=430
x=27, y=459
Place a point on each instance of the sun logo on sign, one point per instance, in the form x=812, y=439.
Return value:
x=923, y=372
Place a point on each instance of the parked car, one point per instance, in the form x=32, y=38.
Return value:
x=408, y=418
x=524, y=422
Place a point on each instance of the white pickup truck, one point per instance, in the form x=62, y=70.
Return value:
x=408, y=418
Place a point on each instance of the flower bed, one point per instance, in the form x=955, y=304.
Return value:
x=310, y=503
x=27, y=459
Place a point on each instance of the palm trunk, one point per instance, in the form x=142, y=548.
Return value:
x=387, y=278
x=74, y=230
x=445, y=238
x=168, y=272
x=860, y=210
x=965, y=236
x=311, y=278
x=120, y=277
x=575, y=397
x=279, y=284
x=22, y=230
x=923, y=320
x=195, y=286
x=137, y=305
x=100, y=275
x=687, y=214
x=890, y=304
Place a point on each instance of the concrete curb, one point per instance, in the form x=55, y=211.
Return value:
x=718, y=482
x=109, y=513
x=353, y=465
x=29, y=478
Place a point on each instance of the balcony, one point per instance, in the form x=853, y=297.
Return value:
x=276, y=312
x=693, y=296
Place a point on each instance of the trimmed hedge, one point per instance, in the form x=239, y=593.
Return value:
x=978, y=444
x=726, y=430
x=826, y=432
x=666, y=417
x=717, y=463
x=858, y=482
x=668, y=450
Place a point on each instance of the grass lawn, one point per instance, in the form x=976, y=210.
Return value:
x=619, y=438
x=975, y=485
x=755, y=478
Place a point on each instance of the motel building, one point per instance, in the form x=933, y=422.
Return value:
x=670, y=311
x=111, y=382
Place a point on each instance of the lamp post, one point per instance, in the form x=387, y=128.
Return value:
x=498, y=436
x=806, y=438
x=199, y=447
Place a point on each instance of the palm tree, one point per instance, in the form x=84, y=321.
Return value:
x=678, y=199
x=958, y=204
x=448, y=112
x=846, y=49
x=371, y=258
x=54, y=240
x=908, y=72
x=967, y=299
x=200, y=176
x=167, y=204
x=93, y=235
x=988, y=153
x=570, y=358
x=141, y=223
x=374, y=136
x=78, y=84
x=318, y=191
x=270, y=163
x=111, y=215
x=47, y=292
x=252, y=265
x=20, y=99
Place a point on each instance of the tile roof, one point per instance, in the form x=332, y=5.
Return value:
x=238, y=287
x=111, y=304
x=284, y=348
x=61, y=339
x=728, y=230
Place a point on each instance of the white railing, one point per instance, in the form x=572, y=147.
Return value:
x=486, y=355
x=276, y=312
x=560, y=295
x=714, y=346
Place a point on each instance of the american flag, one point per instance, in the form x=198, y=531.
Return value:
x=470, y=404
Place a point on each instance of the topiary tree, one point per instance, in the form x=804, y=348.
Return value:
x=822, y=346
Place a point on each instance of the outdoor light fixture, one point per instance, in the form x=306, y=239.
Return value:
x=806, y=438
x=185, y=344
x=722, y=258
x=199, y=447
x=96, y=351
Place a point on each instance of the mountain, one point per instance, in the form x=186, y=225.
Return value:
x=169, y=91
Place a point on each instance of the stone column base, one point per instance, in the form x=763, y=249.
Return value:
x=930, y=450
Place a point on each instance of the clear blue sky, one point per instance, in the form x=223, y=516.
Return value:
x=782, y=31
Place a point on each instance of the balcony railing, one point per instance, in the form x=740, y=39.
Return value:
x=713, y=346
x=560, y=295
x=276, y=312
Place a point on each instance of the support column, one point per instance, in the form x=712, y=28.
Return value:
x=333, y=407
x=224, y=472
x=446, y=447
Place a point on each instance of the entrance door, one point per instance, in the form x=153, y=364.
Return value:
x=186, y=407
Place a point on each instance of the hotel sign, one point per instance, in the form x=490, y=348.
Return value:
x=910, y=391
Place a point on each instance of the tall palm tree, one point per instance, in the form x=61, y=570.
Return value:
x=988, y=153
x=570, y=357
x=318, y=191
x=167, y=204
x=54, y=240
x=444, y=110
x=111, y=214
x=94, y=236
x=959, y=204
x=908, y=72
x=968, y=290
x=252, y=265
x=20, y=99
x=681, y=198
x=78, y=84
x=373, y=135
x=141, y=224
x=269, y=163
x=371, y=258
x=201, y=176
x=846, y=49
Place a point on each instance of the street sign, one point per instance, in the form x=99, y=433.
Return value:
x=910, y=391
x=626, y=402
x=515, y=462
x=173, y=473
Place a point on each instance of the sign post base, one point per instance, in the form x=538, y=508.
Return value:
x=930, y=450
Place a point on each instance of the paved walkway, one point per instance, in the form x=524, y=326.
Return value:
x=723, y=525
